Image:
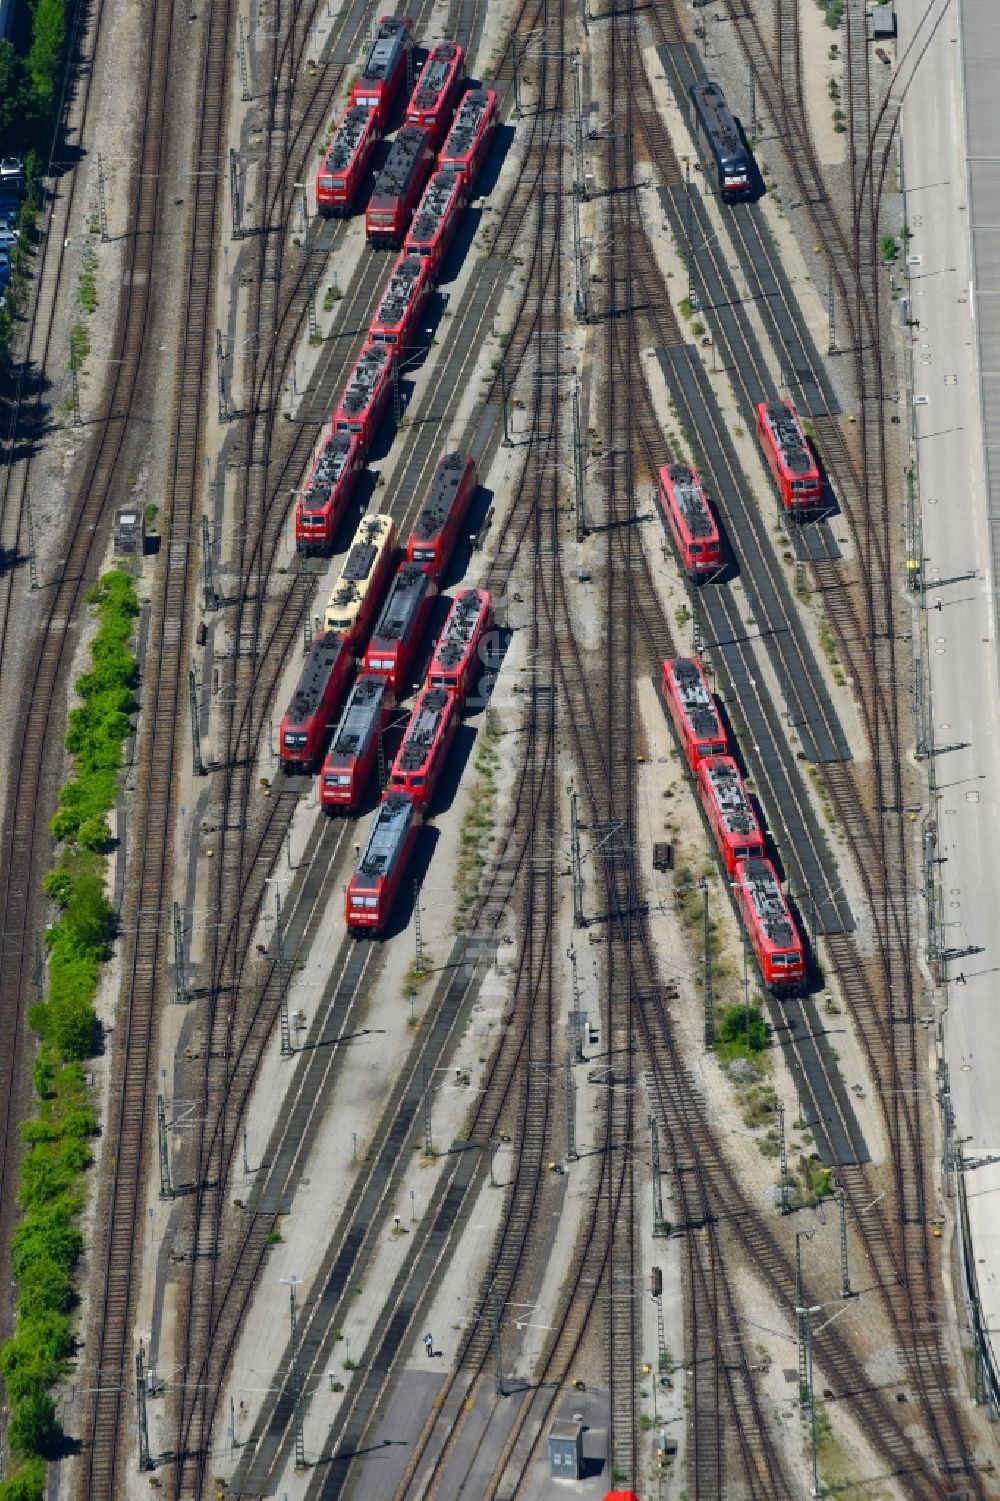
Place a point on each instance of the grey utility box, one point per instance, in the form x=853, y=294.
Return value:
x=566, y=1451
x=883, y=23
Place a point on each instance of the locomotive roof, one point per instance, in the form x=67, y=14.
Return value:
x=324, y=655
x=390, y=39
x=408, y=591
x=468, y=120
x=385, y=841
x=691, y=502
x=434, y=75
x=407, y=149
x=360, y=560
x=761, y=885
x=428, y=712
x=333, y=460
x=364, y=378
x=459, y=627
x=788, y=437
x=360, y=717
x=431, y=209
x=441, y=497
x=717, y=117
x=345, y=143
x=399, y=289
x=723, y=777
x=695, y=698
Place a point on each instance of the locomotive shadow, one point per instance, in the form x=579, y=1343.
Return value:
x=416, y=875
x=757, y=185
x=478, y=513
x=454, y=769
x=460, y=246
x=489, y=173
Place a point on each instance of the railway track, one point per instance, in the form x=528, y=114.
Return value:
x=120, y=1207
x=20, y=956
x=885, y=873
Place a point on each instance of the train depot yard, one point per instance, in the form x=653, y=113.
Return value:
x=492, y=1004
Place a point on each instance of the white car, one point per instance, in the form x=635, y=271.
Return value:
x=8, y=237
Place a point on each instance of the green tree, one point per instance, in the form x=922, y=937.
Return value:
x=26, y=1484
x=14, y=102
x=48, y=37
x=733, y=1027
x=34, y=1428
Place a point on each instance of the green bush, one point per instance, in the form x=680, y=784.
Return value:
x=27, y=1484
x=34, y=1429
x=47, y=1243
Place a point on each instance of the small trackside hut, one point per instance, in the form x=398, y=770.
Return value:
x=719, y=138
x=353, y=754
x=375, y=884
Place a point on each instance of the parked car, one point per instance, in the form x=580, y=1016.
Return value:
x=12, y=172
x=8, y=237
x=10, y=210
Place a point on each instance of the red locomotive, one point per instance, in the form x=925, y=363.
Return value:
x=769, y=925
x=398, y=187
x=425, y=745
x=436, y=220
x=381, y=79
x=469, y=138
x=327, y=491
x=400, y=626
x=436, y=528
x=690, y=519
x=457, y=654
x=397, y=318
x=436, y=91
x=373, y=888
x=789, y=456
x=692, y=709
x=353, y=754
x=366, y=394
x=321, y=686
x=729, y=811
x=345, y=164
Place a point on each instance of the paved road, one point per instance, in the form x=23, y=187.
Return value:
x=951, y=125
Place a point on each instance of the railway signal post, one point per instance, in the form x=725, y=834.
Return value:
x=166, y=1187
x=570, y=1109
x=145, y=1460
x=707, y=961
x=180, y=989
x=32, y=557
x=845, y=1271
x=199, y=765
x=300, y=1449
x=783, y=1160
x=660, y=1226
x=576, y=862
